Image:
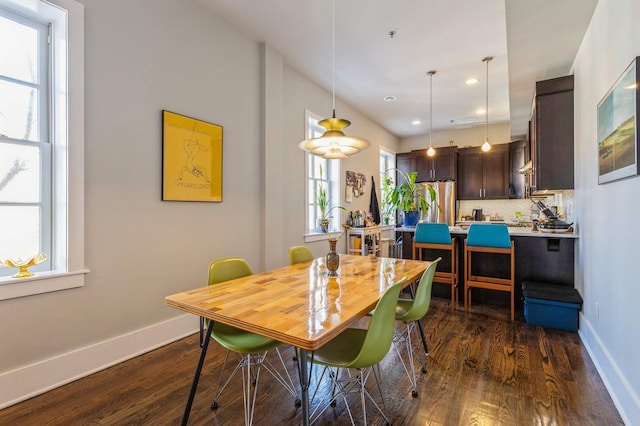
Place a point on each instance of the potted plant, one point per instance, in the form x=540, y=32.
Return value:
x=409, y=198
x=324, y=207
x=388, y=209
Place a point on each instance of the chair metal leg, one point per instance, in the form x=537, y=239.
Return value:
x=196, y=378
x=424, y=339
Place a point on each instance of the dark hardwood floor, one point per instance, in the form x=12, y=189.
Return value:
x=482, y=370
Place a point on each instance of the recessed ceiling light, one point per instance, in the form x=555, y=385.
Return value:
x=471, y=81
x=416, y=122
x=389, y=98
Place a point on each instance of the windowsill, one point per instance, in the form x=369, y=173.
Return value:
x=43, y=282
x=321, y=236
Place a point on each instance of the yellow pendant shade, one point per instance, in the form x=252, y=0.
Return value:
x=334, y=143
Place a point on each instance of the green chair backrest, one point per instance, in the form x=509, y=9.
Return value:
x=299, y=254
x=422, y=299
x=228, y=269
x=380, y=333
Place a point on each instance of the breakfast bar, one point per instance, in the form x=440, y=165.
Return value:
x=545, y=256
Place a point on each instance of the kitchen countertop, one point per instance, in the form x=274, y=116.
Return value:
x=513, y=231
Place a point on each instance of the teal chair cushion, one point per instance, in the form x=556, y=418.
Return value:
x=432, y=233
x=489, y=235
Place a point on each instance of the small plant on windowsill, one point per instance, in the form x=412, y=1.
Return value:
x=322, y=200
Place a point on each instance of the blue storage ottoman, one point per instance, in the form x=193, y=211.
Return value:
x=549, y=305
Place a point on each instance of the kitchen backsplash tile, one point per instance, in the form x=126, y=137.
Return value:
x=507, y=209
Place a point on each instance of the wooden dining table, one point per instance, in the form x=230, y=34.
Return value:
x=300, y=305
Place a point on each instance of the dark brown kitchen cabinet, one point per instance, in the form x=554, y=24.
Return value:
x=483, y=175
x=404, y=163
x=551, y=135
x=518, y=157
x=442, y=166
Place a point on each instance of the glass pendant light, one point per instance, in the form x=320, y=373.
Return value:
x=334, y=143
x=486, y=146
x=431, y=152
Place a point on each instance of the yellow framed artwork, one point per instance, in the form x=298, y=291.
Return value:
x=191, y=159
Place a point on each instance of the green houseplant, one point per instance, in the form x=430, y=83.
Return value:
x=324, y=206
x=410, y=198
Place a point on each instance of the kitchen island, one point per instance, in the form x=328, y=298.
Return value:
x=546, y=257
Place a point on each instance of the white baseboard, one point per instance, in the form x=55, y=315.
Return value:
x=625, y=399
x=34, y=379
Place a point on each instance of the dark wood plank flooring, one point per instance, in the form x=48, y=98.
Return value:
x=482, y=370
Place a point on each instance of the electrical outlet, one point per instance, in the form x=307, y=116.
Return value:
x=597, y=310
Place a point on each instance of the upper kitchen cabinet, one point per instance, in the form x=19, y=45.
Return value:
x=551, y=135
x=404, y=163
x=518, y=157
x=442, y=166
x=483, y=175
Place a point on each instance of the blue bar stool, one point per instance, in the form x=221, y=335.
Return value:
x=436, y=236
x=493, y=239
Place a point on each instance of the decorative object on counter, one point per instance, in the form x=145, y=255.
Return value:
x=322, y=200
x=333, y=258
x=486, y=146
x=191, y=159
x=334, y=143
x=408, y=198
x=618, y=144
x=24, y=265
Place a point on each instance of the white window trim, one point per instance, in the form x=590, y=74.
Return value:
x=68, y=101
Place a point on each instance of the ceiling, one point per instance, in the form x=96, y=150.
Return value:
x=529, y=41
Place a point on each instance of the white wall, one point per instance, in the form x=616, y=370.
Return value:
x=607, y=261
x=464, y=137
x=142, y=57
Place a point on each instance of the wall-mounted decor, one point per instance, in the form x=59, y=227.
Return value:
x=191, y=159
x=356, y=181
x=617, y=128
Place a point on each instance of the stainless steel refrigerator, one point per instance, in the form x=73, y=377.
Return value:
x=446, y=199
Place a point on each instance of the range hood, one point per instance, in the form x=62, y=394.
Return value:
x=527, y=169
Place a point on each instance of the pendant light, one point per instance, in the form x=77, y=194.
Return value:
x=486, y=146
x=431, y=152
x=334, y=143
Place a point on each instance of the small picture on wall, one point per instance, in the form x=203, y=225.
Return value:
x=191, y=159
x=617, y=128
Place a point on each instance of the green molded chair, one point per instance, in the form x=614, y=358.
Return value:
x=411, y=311
x=299, y=254
x=251, y=348
x=360, y=349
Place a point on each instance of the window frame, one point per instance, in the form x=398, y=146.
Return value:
x=386, y=161
x=67, y=150
x=331, y=175
x=42, y=142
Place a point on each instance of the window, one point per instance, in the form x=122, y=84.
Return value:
x=322, y=174
x=387, y=182
x=41, y=143
x=25, y=141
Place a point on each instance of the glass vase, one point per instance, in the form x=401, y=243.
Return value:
x=332, y=258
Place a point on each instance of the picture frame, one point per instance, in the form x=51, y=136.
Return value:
x=618, y=145
x=191, y=159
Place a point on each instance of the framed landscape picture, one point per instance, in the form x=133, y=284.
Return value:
x=618, y=128
x=191, y=159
